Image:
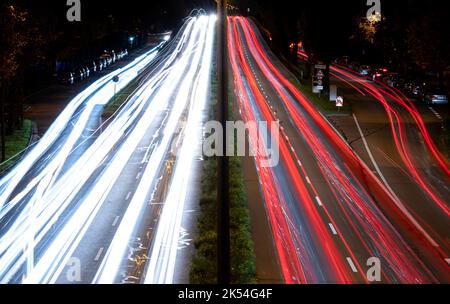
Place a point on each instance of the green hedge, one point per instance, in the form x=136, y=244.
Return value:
x=204, y=263
x=204, y=268
x=17, y=142
x=116, y=102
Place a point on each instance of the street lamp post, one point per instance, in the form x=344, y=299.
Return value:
x=131, y=40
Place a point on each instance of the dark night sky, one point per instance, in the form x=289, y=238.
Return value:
x=149, y=11
x=324, y=26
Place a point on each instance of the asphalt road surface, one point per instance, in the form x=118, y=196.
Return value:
x=108, y=202
x=331, y=216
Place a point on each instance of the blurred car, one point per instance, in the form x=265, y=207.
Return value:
x=122, y=54
x=80, y=74
x=435, y=96
x=87, y=72
x=354, y=65
x=344, y=60
x=418, y=90
x=66, y=78
x=400, y=83
x=391, y=79
x=93, y=66
x=364, y=70
x=378, y=74
x=107, y=58
x=100, y=65
x=414, y=88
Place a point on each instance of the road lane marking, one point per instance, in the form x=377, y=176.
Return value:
x=138, y=175
x=391, y=191
x=319, y=202
x=394, y=163
x=115, y=221
x=435, y=112
x=99, y=253
x=332, y=228
x=366, y=145
x=352, y=266
x=447, y=260
x=128, y=196
x=308, y=180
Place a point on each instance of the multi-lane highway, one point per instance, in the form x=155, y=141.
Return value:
x=403, y=147
x=330, y=213
x=110, y=201
x=104, y=202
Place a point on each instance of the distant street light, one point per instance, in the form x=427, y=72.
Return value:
x=131, y=40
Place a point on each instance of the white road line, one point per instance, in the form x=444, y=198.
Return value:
x=99, y=253
x=352, y=266
x=391, y=191
x=116, y=219
x=332, y=228
x=308, y=180
x=128, y=196
x=366, y=145
x=319, y=202
x=435, y=112
x=138, y=175
x=447, y=260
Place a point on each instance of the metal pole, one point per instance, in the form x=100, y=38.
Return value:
x=223, y=210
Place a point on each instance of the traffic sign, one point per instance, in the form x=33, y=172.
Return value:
x=321, y=66
x=317, y=89
x=339, y=101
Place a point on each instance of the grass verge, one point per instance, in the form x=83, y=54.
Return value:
x=116, y=102
x=16, y=143
x=204, y=264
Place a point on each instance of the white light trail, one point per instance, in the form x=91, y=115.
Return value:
x=29, y=216
x=162, y=258
x=200, y=60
